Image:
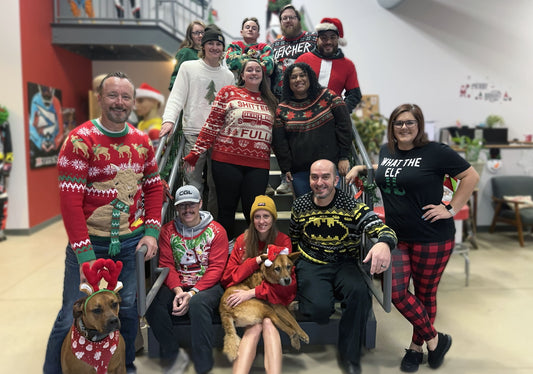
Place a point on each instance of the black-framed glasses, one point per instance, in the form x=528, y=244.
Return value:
x=288, y=18
x=198, y=33
x=409, y=123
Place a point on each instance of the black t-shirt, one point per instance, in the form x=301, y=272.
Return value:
x=409, y=180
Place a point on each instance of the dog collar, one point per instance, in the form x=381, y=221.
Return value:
x=96, y=354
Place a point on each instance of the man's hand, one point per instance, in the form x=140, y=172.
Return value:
x=380, y=256
x=180, y=304
x=151, y=243
x=343, y=166
x=82, y=276
x=165, y=128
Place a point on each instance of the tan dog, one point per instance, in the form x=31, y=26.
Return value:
x=93, y=343
x=253, y=311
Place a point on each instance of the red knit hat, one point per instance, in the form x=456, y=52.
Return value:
x=145, y=90
x=332, y=24
x=273, y=252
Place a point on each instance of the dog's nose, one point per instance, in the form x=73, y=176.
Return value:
x=113, y=323
x=285, y=281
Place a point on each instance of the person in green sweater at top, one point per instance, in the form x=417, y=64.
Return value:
x=189, y=48
x=240, y=51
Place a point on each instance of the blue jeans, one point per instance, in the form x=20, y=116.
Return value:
x=71, y=293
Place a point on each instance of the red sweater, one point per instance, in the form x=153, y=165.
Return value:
x=238, y=269
x=207, y=250
x=97, y=168
x=239, y=128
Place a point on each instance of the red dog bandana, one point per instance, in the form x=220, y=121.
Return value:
x=96, y=354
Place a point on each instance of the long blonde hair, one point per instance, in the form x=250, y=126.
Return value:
x=189, y=42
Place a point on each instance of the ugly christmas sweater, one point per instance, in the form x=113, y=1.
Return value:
x=239, y=129
x=102, y=177
x=238, y=52
x=310, y=130
x=196, y=255
x=238, y=269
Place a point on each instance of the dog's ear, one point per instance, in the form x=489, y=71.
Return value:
x=264, y=256
x=77, y=310
x=294, y=255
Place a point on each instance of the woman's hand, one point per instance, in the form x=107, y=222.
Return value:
x=188, y=167
x=354, y=173
x=238, y=296
x=435, y=212
x=288, y=176
x=165, y=128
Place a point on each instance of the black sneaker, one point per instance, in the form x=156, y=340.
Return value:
x=411, y=360
x=436, y=357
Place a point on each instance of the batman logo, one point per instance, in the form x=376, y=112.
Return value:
x=316, y=228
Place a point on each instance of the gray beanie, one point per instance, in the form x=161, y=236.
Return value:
x=212, y=32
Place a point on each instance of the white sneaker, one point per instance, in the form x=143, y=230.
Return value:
x=180, y=363
x=284, y=188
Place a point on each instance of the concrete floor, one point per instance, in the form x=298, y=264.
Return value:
x=489, y=320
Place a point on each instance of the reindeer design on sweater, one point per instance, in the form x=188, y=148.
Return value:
x=124, y=183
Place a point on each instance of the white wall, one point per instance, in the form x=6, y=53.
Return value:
x=11, y=97
x=422, y=51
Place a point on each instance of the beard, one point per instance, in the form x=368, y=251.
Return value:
x=291, y=32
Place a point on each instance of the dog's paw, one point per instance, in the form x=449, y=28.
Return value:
x=304, y=338
x=295, y=341
x=231, y=346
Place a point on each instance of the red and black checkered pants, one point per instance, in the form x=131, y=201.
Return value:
x=424, y=263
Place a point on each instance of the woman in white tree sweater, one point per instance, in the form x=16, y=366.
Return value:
x=239, y=131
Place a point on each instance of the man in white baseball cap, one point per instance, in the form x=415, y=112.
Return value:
x=195, y=249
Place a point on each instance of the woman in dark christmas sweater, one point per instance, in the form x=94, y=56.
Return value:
x=239, y=129
x=245, y=259
x=312, y=123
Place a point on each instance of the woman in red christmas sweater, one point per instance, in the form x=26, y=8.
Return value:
x=244, y=261
x=239, y=129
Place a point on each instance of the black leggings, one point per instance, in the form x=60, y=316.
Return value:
x=233, y=182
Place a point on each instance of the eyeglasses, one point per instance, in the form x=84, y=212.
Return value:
x=325, y=37
x=198, y=33
x=409, y=123
x=288, y=18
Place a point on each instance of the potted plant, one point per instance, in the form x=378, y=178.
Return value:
x=472, y=149
x=371, y=130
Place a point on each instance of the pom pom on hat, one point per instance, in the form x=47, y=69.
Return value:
x=273, y=252
x=263, y=202
x=145, y=90
x=332, y=24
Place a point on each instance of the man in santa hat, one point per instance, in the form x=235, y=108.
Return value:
x=333, y=70
x=148, y=103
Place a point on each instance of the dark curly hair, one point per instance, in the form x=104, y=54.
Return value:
x=314, y=87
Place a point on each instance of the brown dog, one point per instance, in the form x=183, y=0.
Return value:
x=253, y=311
x=94, y=336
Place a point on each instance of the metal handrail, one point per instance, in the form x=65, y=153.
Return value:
x=382, y=294
x=145, y=300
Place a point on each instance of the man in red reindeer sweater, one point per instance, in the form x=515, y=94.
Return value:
x=111, y=198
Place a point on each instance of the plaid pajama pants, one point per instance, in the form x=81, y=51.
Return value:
x=424, y=263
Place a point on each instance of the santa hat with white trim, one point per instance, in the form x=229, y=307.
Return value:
x=145, y=90
x=332, y=24
x=273, y=251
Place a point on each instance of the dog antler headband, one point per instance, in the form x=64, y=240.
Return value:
x=273, y=252
x=101, y=269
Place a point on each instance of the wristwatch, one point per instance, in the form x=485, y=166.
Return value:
x=450, y=209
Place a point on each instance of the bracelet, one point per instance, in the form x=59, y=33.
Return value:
x=192, y=293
